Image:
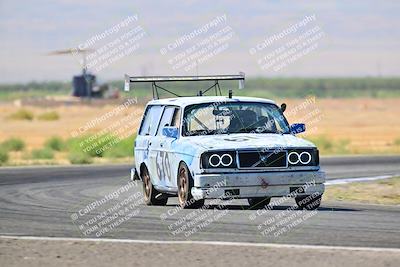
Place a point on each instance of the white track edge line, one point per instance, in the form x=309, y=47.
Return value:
x=214, y=243
x=339, y=181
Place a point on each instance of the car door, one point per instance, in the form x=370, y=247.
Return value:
x=168, y=158
x=158, y=152
x=172, y=145
x=147, y=133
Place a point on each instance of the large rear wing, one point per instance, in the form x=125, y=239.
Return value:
x=156, y=79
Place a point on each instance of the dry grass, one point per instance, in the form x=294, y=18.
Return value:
x=351, y=125
x=36, y=132
x=380, y=192
x=368, y=125
x=49, y=116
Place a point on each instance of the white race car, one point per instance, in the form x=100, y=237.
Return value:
x=206, y=147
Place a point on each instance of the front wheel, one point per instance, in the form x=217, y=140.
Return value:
x=185, y=184
x=311, y=202
x=150, y=192
x=258, y=202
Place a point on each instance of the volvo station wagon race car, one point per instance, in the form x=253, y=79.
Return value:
x=208, y=147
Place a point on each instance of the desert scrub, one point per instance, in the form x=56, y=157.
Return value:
x=342, y=146
x=94, y=146
x=322, y=143
x=121, y=149
x=44, y=153
x=55, y=143
x=22, y=114
x=49, y=116
x=79, y=158
x=3, y=156
x=327, y=146
x=397, y=142
x=83, y=149
x=13, y=144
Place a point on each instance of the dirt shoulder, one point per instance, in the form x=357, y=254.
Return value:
x=377, y=192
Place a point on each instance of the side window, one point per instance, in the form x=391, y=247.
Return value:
x=151, y=119
x=166, y=119
x=144, y=129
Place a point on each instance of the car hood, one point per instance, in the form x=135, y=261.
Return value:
x=248, y=141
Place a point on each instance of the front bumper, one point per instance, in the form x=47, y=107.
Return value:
x=264, y=184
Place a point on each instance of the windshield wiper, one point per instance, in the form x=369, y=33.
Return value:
x=253, y=130
x=266, y=131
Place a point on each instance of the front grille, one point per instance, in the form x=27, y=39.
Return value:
x=258, y=159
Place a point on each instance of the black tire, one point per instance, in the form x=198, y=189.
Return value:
x=185, y=184
x=136, y=176
x=311, y=202
x=258, y=202
x=149, y=192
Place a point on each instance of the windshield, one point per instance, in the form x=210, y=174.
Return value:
x=234, y=117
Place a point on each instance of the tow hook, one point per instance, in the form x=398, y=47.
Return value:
x=264, y=184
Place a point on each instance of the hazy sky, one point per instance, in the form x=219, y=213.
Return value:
x=349, y=38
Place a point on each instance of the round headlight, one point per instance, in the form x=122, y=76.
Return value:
x=293, y=157
x=214, y=160
x=226, y=160
x=305, y=157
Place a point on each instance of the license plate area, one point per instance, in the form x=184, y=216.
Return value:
x=297, y=189
x=231, y=192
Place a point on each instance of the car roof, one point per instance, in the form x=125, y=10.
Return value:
x=185, y=101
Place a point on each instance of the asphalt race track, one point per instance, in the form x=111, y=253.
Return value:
x=40, y=201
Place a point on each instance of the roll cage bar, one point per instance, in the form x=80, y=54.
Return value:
x=156, y=79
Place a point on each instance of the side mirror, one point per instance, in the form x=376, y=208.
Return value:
x=296, y=128
x=283, y=107
x=170, y=131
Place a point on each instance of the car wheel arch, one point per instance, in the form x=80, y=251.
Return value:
x=141, y=169
x=177, y=171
